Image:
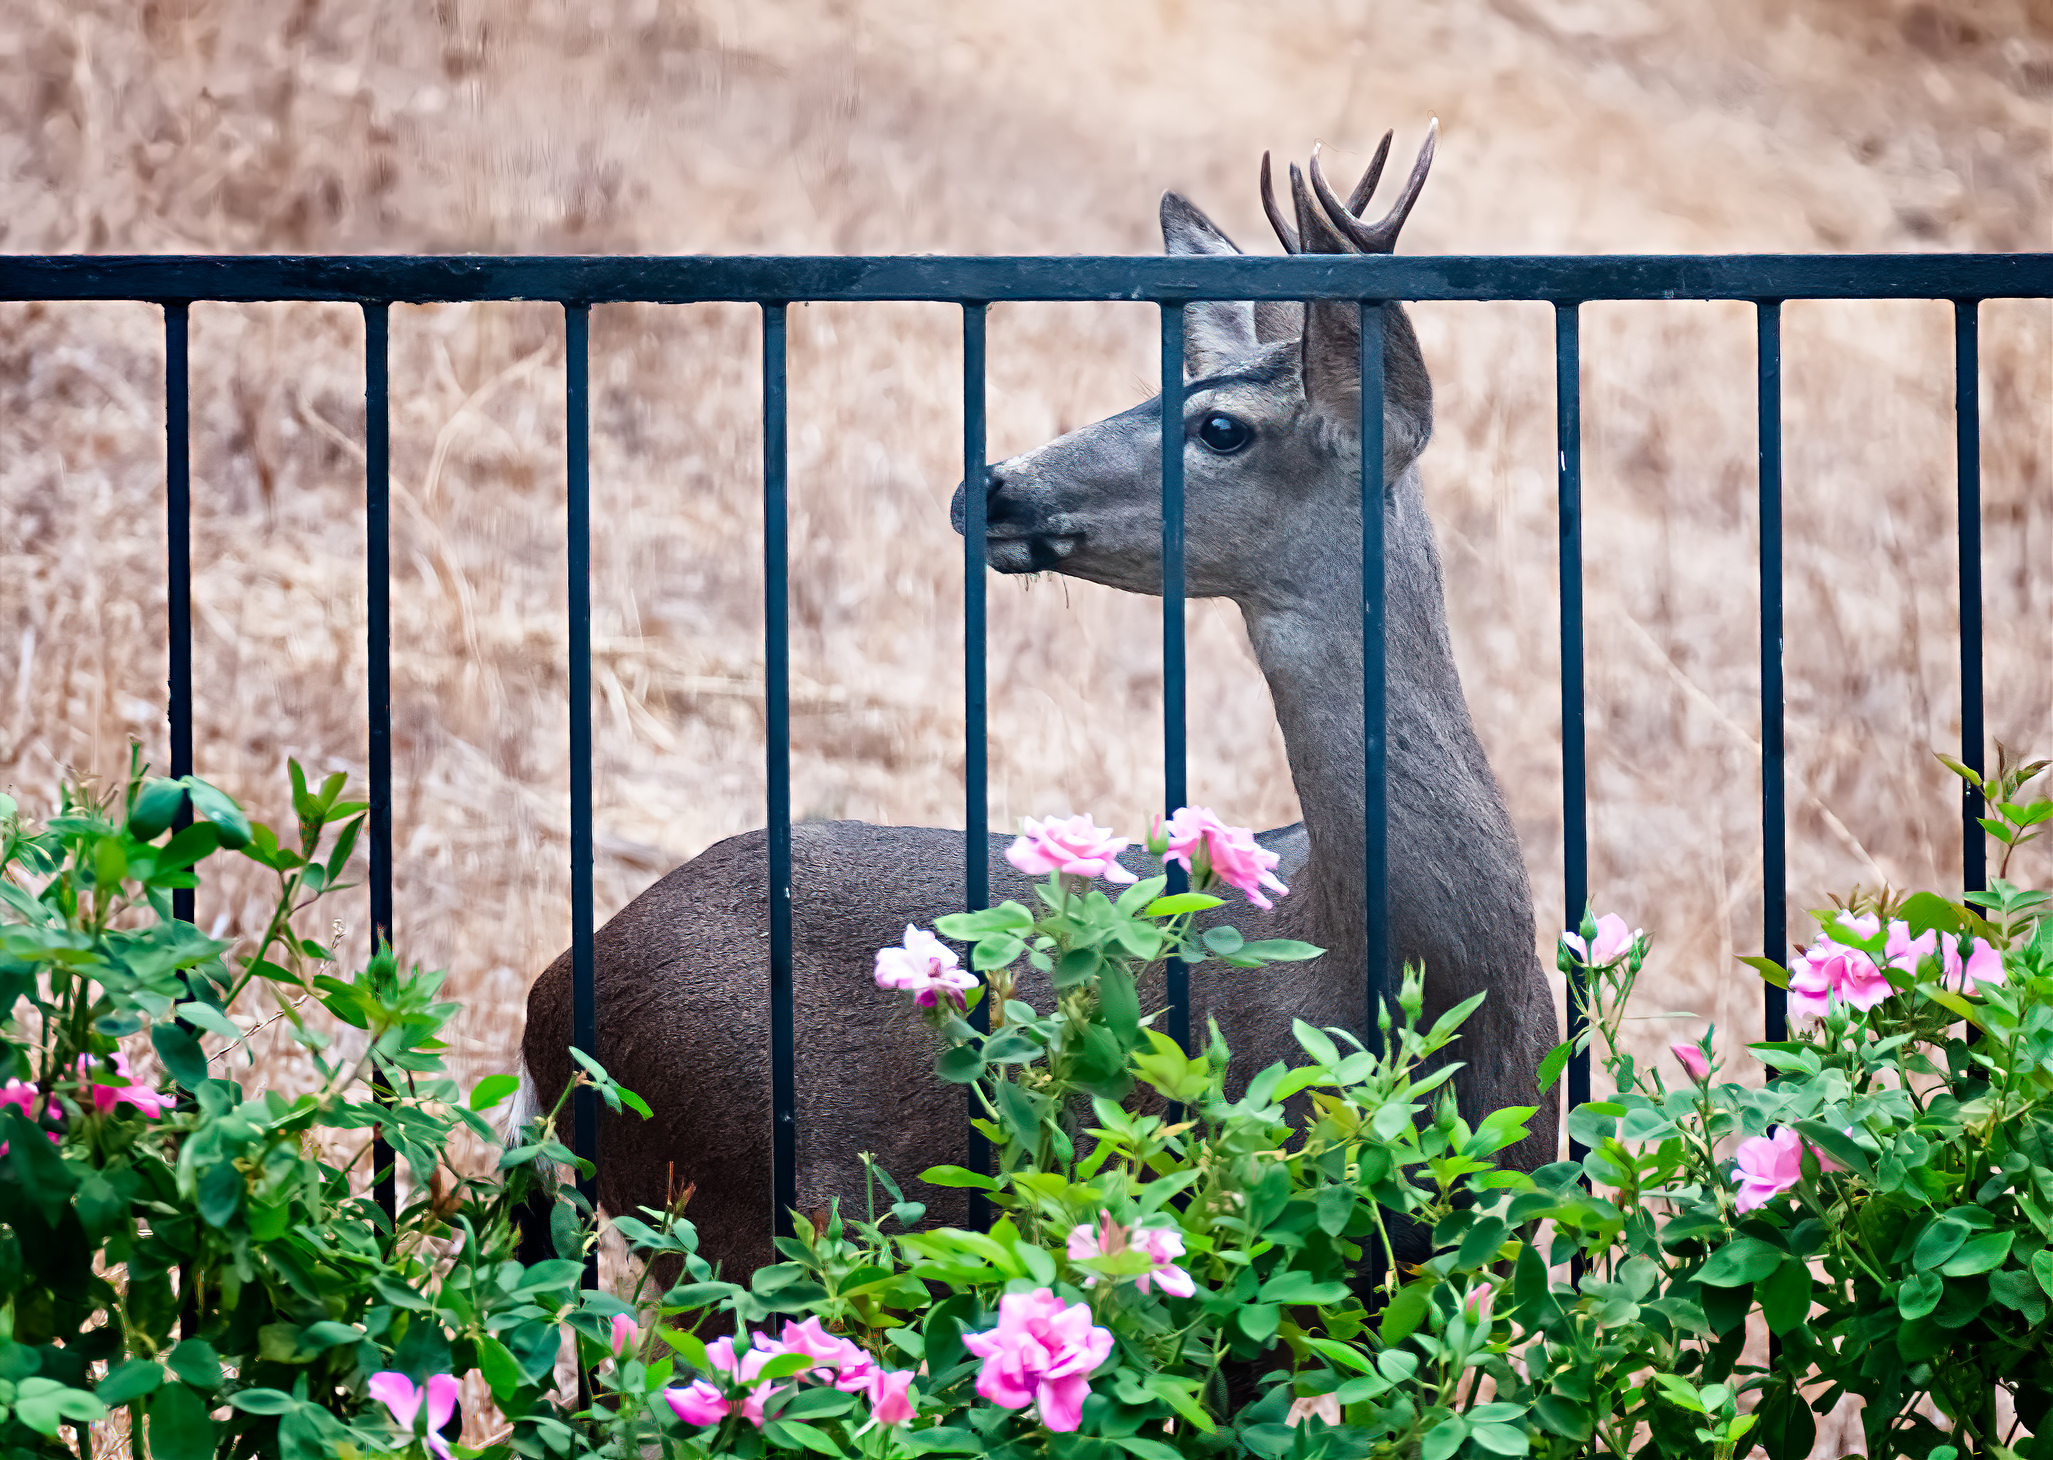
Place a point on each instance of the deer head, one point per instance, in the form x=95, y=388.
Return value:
x=1270, y=424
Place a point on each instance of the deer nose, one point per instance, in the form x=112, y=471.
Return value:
x=958, y=513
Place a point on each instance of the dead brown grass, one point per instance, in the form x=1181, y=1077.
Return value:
x=900, y=125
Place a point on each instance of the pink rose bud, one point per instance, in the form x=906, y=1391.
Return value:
x=1983, y=965
x=1693, y=1059
x=623, y=1335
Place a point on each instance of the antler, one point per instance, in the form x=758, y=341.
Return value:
x=1285, y=234
x=1374, y=237
x=1370, y=238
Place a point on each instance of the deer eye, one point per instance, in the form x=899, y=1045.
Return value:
x=1223, y=434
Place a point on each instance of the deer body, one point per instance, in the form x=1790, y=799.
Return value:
x=1273, y=522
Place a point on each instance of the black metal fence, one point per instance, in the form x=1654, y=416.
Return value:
x=974, y=283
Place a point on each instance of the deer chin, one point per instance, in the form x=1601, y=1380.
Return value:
x=1040, y=552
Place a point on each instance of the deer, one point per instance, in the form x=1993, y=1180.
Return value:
x=1273, y=523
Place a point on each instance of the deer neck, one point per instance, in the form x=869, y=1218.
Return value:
x=1308, y=641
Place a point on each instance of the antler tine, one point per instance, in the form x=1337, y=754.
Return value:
x=1381, y=237
x=1284, y=232
x=1366, y=188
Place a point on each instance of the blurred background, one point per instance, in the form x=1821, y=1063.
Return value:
x=1040, y=126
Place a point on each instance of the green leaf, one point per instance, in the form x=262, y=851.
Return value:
x=1742, y=1260
x=1258, y=1320
x=941, y=1440
x=1979, y=1254
x=1927, y=910
x=493, y=1089
x=1223, y=941
x=262, y=1401
x=1298, y=1287
x=196, y=1362
x=995, y=952
x=1444, y=1438
x=1498, y=1439
x=1016, y=1109
x=1178, y=903
x=1919, y=1294
x=179, y=1428
x=1406, y=1310
x=957, y=1176
x=1769, y=970
x=1837, y=1144
x=44, y=1404
x=791, y=1434
x=1119, y=1003
x=131, y=1380
x=36, y=1166
x=1280, y=950
x=1007, y=917
x=181, y=1054
x=959, y=1064
x=500, y=1370
x=1786, y=1297
x=157, y=805
x=215, y=804
x=1938, y=1243
x=1555, y=1062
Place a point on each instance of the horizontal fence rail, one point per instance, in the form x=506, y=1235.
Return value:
x=767, y=280
x=376, y=283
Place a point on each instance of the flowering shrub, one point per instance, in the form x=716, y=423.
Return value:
x=1178, y=1273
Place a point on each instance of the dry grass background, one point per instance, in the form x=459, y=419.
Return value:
x=1050, y=126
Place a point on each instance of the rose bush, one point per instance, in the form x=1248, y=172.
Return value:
x=1178, y=1265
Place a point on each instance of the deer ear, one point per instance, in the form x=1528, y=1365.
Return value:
x=1215, y=331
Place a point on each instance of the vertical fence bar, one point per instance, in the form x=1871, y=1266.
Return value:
x=975, y=702
x=378, y=658
x=1375, y=730
x=1967, y=426
x=178, y=562
x=1575, y=824
x=577, y=324
x=178, y=631
x=1175, y=758
x=1774, y=790
x=777, y=727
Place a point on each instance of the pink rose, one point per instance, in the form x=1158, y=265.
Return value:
x=1077, y=847
x=105, y=1097
x=1042, y=1354
x=28, y=1097
x=1768, y=1166
x=1771, y=1165
x=397, y=1393
x=1984, y=965
x=925, y=967
x=890, y=1401
x=1693, y=1059
x=1828, y=968
x=1198, y=839
x=1903, y=951
x=623, y=1335
x=1613, y=941
x=699, y=1403
x=1162, y=1244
